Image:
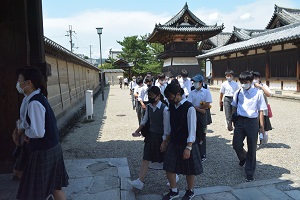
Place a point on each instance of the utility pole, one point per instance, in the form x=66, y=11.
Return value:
x=91, y=51
x=69, y=34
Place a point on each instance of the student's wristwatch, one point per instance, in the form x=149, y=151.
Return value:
x=189, y=148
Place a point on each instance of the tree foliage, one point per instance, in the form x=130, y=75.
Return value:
x=143, y=55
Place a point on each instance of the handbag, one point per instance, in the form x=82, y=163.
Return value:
x=146, y=128
x=270, y=113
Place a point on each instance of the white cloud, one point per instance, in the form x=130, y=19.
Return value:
x=245, y=16
x=117, y=25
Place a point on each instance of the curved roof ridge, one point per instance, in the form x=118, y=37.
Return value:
x=276, y=36
x=278, y=9
x=185, y=8
x=268, y=31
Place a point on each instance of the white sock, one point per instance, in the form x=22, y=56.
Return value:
x=174, y=190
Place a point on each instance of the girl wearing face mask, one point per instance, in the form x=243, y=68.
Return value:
x=21, y=151
x=267, y=93
x=158, y=114
x=44, y=167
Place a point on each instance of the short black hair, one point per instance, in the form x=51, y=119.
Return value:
x=229, y=72
x=246, y=76
x=148, y=79
x=160, y=76
x=173, y=89
x=139, y=80
x=184, y=73
x=35, y=76
x=256, y=74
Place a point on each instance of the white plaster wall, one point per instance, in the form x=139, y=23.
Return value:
x=181, y=61
x=289, y=85
x=275, y=85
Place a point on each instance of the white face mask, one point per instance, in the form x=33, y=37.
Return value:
x=18, y=87
x=246, y=86
x=255, y=81
x=197, y=85
x=229, y=79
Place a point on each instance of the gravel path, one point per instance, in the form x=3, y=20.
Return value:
x=108, y=135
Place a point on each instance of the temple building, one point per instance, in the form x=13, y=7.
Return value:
x=273, y=51
x=180, y=37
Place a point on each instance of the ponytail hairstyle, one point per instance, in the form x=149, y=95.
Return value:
x=35, y=76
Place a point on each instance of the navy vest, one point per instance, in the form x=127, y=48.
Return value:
x=156, y=119
x=178, y=121
x=51, y=137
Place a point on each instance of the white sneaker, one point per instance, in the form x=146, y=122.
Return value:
x=177, y=179
x=138, y=184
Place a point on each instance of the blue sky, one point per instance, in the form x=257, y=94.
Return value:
x=121, y=18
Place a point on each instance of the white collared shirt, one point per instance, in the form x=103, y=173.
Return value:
x=166, y=117
x=250, y=102
x=191, y=122
x=228, y=88
x=198, y=96
x=36, y=112
x=143, y=93
x=132, y=85
x=186, y=85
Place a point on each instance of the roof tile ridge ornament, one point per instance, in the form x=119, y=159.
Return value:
x=268, y=31
x=186, y=6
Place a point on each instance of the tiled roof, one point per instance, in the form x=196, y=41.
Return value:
x=53, y=45
x=215, y=41
x=184, y=22
x=178, y=16
x=190, y=28
x=280, y=35
x=243, y=34
x=113, y=70
x=285, y=15
x=220, y=39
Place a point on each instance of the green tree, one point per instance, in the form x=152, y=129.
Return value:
x=141, y=54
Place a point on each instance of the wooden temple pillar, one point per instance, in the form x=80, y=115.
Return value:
x=297, y=44
x=268, y=61
x=21, y=44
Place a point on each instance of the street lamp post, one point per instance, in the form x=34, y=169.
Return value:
x=99, y=31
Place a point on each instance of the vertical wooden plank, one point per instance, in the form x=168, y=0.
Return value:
x=13, y=55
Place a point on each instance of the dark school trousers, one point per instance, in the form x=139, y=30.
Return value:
x=201, y=128
x=246, y=127
x=228, y=109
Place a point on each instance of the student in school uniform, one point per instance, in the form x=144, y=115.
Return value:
x=143, y=95
x=182, y=154
x=132, y=85
x=201, y=100
x=248, y=105
x=136, y=93
x=227, y=90
x=160, y=82
x=267, y=93
x=185, y=82
x=44, y=174
x=158, y=114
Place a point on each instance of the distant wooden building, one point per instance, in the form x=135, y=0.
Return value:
x=274, y=51
x=180, y=37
